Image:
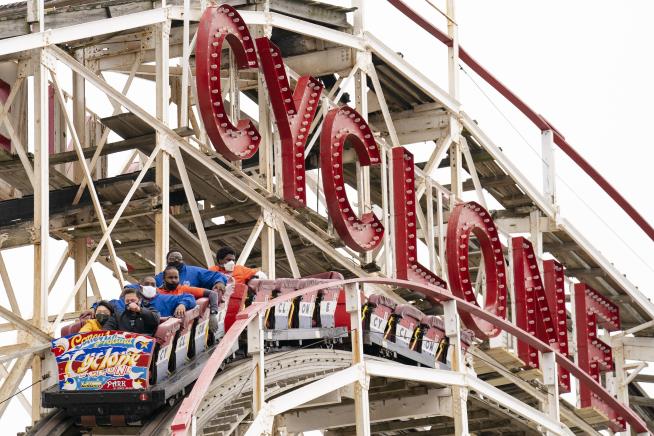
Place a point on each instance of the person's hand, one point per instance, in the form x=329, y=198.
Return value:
x=219, y=286
x=213, y=322
x=87, y=314
x=180, y=311
x=133, y=307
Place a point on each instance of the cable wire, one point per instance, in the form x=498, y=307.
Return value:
x=45, y=376
x=558, y=177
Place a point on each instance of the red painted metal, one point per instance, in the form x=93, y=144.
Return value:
x=235, y=302
x=217, y=25
x=467, y=218
x=189, y=406
x=407, y=266
x=5, y=90
x=344, y=125
x=555, y=297
x=540, y=309
x=593, y=355
x=294, y=114
x=532, y=115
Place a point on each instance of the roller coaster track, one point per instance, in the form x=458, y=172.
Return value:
x=228, y=401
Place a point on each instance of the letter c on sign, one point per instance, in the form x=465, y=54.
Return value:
x=220, y=23
x=342, y=125
x=472, y=218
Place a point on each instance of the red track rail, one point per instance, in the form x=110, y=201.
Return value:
x=538, y=120
x=436, y=295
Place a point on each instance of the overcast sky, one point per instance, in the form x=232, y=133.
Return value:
x=586, y=66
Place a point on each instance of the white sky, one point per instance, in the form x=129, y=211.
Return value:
x=586, y=66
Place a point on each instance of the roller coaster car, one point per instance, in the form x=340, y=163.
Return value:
x=318, y=315
x=404, y=331
x=398, y=331
x=99, y=391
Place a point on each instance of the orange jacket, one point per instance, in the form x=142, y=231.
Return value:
x=184, y=289
x=241, y=274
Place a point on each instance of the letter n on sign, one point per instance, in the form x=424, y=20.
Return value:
x=593, y=310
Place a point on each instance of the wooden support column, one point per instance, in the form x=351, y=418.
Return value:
x=550, y=380
x=549, y=166
x=41, y=216
x=453, y=87
x=459, y=394
x=256, y=350
x=80, y=249
x=266, y=160
x=361, y=402
x=162, y=218
x=361, y=106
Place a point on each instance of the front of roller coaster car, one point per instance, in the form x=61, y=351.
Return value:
x=105, y=375
x=103, y=361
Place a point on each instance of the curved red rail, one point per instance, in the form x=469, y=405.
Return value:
x=189, y=406
x=538, y=120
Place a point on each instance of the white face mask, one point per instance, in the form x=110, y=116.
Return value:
x=229, y=266
x=149, y=292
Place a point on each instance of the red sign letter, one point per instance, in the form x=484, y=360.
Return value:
x=472, y=218
x=540, y=310
x=293, y=113
x=593, y=356
x=217, y=25
x=343, y=125
x=406, y=240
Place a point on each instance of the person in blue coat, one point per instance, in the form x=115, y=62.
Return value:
x=167, y=305
x=193, y=275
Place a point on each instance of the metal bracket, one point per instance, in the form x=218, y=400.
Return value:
x=168, y=144
x=269, y=219
x=44, y=57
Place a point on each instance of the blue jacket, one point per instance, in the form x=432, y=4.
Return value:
x=166, y=304
x=195, y=276
x=119, y=305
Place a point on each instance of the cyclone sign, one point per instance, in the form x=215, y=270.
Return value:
x=103, y=361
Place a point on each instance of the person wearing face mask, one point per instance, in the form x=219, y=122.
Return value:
x=101, y=314
x=167, y=305
x=171, y=286
x=194, y=276
x=136, y=317
x=226, y=264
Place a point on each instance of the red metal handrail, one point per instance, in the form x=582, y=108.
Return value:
x=433, y=294
x=538, y=120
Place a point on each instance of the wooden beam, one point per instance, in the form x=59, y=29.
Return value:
x=13, y=380
x=641, y=401
x=24, y=325
x=644, y=378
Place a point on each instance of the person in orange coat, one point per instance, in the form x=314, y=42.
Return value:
x=226, y=264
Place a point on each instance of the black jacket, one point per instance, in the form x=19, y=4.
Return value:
x=145, y=322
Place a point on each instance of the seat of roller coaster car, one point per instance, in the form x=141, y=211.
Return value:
x=403, y=310
x=73, y=328
x=330, y=275
x=189, y=318
x=377, y=300
x=167, y=329
x=433, y=321
x=202, y=305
